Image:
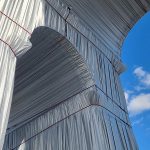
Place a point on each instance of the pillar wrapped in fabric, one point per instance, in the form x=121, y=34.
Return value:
x=7, y=71
x=66, y=93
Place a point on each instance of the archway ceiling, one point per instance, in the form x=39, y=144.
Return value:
x=112, y=18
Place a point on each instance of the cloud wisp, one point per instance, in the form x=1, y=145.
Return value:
x=143, y=76
x=139, y=102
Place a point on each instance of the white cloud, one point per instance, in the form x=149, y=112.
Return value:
x=127, y=95
x=146, y=79
x=139, y=104
x=142, y=75
x=139, y=72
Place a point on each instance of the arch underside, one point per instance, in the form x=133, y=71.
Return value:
x=56, y=97
x=67, y=82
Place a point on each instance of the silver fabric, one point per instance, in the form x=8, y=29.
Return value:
x=7, y=71
x=62, y=71
x=56, y=75
x=75, y=124
x=53, y=73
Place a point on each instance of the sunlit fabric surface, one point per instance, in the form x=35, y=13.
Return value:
x=60, y=102
x=7, y=71
x=52, y=71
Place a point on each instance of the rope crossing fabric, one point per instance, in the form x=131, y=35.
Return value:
x=59, y=74
x=59, y=67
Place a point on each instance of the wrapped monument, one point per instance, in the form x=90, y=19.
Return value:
x=59, y=74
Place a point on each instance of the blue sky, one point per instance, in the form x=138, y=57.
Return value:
x=136, y=79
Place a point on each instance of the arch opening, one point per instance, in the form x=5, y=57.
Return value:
x=49, y=73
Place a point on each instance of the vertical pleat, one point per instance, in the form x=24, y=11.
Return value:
x=82, y=76
x=7, y=71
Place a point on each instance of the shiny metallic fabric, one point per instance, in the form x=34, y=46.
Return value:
x=64, y=92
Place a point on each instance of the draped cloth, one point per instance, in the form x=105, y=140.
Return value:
x=7, y=71
x=66, y=92
x=56, y=99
